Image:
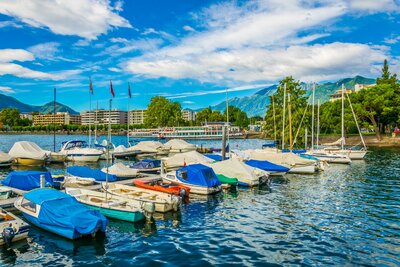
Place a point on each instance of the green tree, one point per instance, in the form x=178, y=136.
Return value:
x=10, y=117
x=237, y=117
x=203, y=116
x=161, y=112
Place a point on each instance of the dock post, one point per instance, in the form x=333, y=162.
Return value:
x=162, y=168
x=42, y=181
x=223, y=151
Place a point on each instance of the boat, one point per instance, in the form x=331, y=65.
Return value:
x=163, y=202
x=179, y=146
x=111, y=206
x=199, y=178
x=160, y=185
x=5, y=192
x=86, y=172
x=77, y=150
x=12, y=228
x=121, y=171
x=227, y=181
x=329, y=157
x=74, y=181
x=245, y=174
x=28, y=153
x=147, y=166
x=56, y=157
x=27, y=180
x=208, y=131
x=149, y=148
x=271, y=168
x=183, y=159
x=60, y=213
x=5, y=159
x=122, y=152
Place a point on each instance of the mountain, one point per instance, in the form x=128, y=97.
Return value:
x=11, y=102
x=255, y=105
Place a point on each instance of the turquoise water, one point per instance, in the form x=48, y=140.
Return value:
x=347, y=215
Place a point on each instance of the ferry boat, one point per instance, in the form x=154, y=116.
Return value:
x=207, y=131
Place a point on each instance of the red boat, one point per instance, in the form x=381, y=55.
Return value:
x=161, y=185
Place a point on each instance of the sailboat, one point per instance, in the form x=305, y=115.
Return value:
x=323, y=155
x=351, y=153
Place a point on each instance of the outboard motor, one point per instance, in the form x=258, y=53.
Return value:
x=183, y=193
x=148, y=210
x=176, y=201
x=8, y=235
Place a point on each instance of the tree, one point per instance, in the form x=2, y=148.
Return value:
x=237, y=117
x=387, y=77
x=161, y=112
x=10, y=117
x=203, y=116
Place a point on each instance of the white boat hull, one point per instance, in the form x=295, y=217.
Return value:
x=83, y=158
x=307, y=169
x=195, y=189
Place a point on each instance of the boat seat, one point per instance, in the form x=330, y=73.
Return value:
x=96, y=200
x=117, y=203
x=138, y=194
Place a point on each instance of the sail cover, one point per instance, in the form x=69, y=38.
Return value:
x=86, y=172
x=27, y=180
x=198, y=174
x=64, y=214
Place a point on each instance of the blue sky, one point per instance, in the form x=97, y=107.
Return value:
x=187, y=51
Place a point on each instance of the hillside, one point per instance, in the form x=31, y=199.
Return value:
x=11, y=102
x=256, y=104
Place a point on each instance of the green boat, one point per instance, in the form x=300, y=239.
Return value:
x=227, y=180
x=113, y=206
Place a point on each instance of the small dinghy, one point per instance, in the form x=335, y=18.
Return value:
x=12, y=228
x=86, y=172
x=5, y=159
x=121, y=171
x=163, y=202
x=147, y=166
x=199, y=178
x=158, y=184
x=112, y=206
x=5, y=192
x=60, y=213
x=28, y=153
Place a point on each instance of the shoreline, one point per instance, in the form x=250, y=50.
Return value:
x=370, y=140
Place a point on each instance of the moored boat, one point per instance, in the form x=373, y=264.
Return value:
x=12, y=228
x=111, y=206
x=77, y=150
x=86, y=172
x=5, y=159
x=60, y=213
x=147, y=166
x=199, y=178
x=121, y=171
x=27, y=180
x=273, y=169
x=187, y=158
x=158, y=184
x=163, y=202
x=179, y=146
x=329, y=157
x=28, y=153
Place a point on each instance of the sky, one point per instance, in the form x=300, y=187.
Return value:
x=190, y=51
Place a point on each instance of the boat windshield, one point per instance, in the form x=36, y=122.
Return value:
x=75, y=144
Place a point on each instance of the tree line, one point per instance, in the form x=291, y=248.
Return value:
x=377, y=108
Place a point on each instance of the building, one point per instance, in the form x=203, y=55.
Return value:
x=358, y=87
x=101, y=116
x=28, y=116
x=338, y=94
x=137, y=116
x=60, y=118
x=188, y=115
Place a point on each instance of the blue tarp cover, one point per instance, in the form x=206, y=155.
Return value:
x=198, y=174
x=147, y=164
x=64, y=215
x=27, y=180
x=295, y=151
x=86, y=172
x=215, y=157
x=266, y=166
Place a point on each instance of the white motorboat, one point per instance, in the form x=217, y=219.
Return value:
x=329, y=157
x=12, y=228
x=78, y=151
x=5, y=159
x=28, y=153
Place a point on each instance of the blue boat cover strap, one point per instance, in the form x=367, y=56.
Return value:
x=198, y=174
x=266, y=166
x=27, y=180
x=86, y=172
x=64, y=214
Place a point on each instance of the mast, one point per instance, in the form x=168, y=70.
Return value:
x=355, y=119
x=227, y=117
x=273, y=110
x=290, y=124
x=312, y=117
x=127, y=133
x=342, y=116
x=283, y=117
x=90, y=113
x=318, y=106
x=95, y=122
x=108, y=146
x=54, y=121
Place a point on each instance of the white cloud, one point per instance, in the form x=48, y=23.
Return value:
x=114, y=69
x=84, y=18
x=118, y=40
x=9, y=23
x=49, y=51
x=188, y=102
x=8, y=55
x=6, y=89
x=188, y=28
x=374, y=5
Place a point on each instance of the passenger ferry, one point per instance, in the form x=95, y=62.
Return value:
x=206, y=131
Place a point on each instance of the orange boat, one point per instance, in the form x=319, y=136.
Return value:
x=161, y=185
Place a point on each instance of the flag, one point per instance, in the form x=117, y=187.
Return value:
x=112, y=89
x=91, y=86
x=184, y=163
x=129, y=90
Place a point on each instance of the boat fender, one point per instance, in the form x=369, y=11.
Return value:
x=176, y=201
x=182, y=193
x=8, y=234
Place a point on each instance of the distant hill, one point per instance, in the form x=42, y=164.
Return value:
x=255, y=105
x=11, y=102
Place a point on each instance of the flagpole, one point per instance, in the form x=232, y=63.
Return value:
x=90, y=113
